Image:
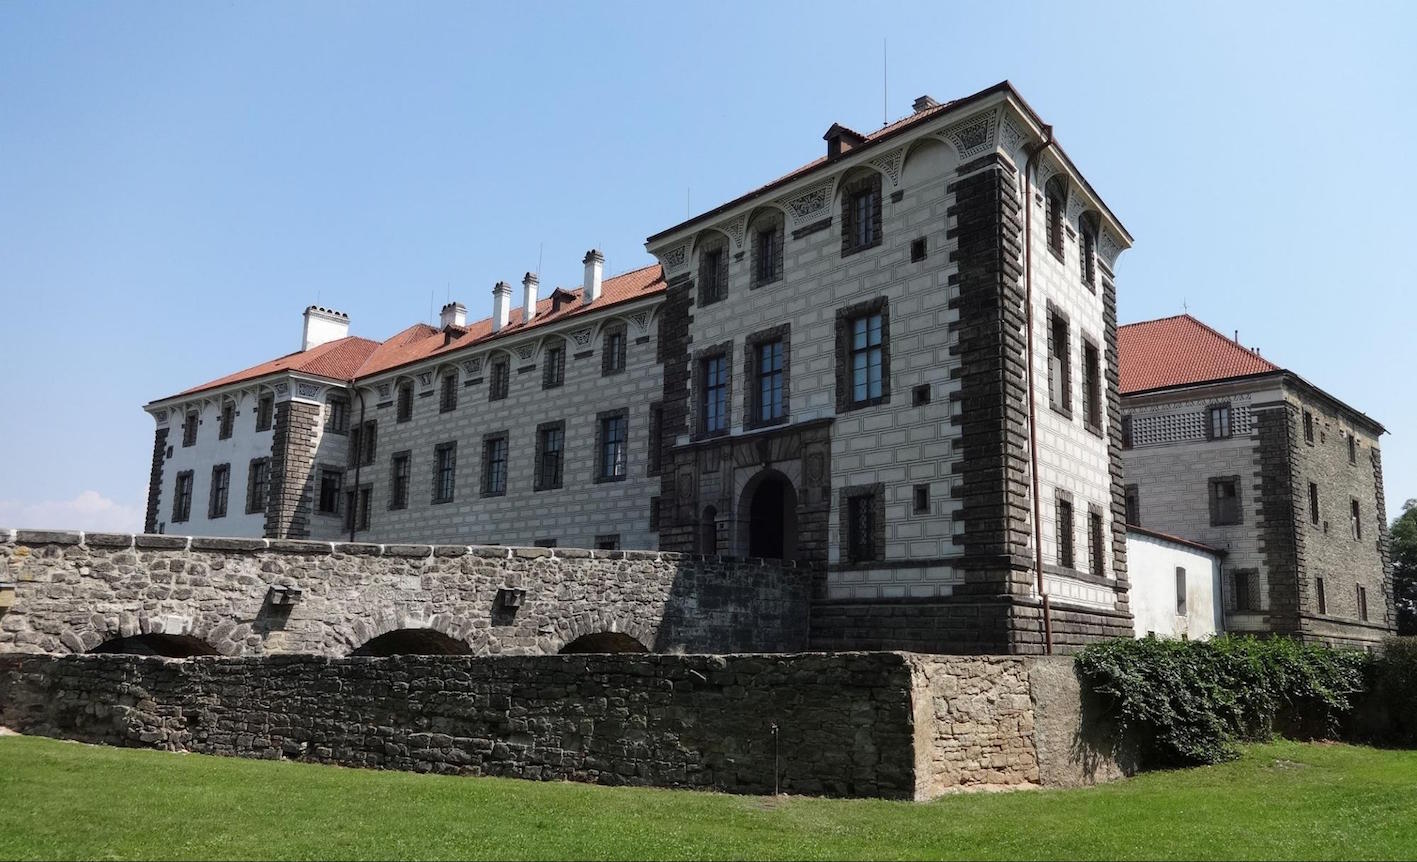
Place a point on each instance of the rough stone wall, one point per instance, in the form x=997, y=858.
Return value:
x=849, y=724
x=289, y=501
x=75, y=591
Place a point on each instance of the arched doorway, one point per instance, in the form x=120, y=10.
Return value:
x=604, y=642
x=771, y=504
x=412, y=642
x=167, y=646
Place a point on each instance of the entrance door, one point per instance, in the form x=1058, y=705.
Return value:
x=772, y=518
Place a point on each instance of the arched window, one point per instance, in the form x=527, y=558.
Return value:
x=1057, y=196
x=713, y=268
x=767, y=232
x=1087, y=240
x=860, y=212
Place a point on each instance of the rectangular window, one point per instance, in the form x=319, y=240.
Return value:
x=861, y=214
x=400, y=476
x=1055, y=222
x=182, y=497
x=356, y=508
x=1091, y=387
x=867, y=359
x=1133, y=502
x=917, y=250
x=1319, y=591
x=331, y=483
x=448, y=394
x=1126, y=432
x=337, y=415
x=612, y=355
x=713, y=404
x=494, y=465
x=258, y=481
x=1060, y=395
x=1356, y=519
x=1362, y=603
x=656, y=421
x=614, y=447
x=1218, y=422
x=769, y=387
x=363, y=444
x=769, y=252
x=403, y=411
x=1089, y=258
x=265, y=412
x=550, y=448
x=228, y=421
x=1064, y=527
x=445, y=465
x=1180, y=591
x=501, y=378
x=609, y=542
x=1352, y=449
x=221, y=487
x=1308, y=428
x=713, y=276
x=553, y=372
x=1096, y=546
x=1313, y=503
x=861, y=528
x=544, y=543
x=653, y=513
x=863, y=222
x=1242, y=585
x=189, y=429
x=1224, y=501
x=921, y=499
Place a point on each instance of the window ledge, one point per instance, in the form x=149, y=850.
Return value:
x=1095, y=430
x=848, y=252
x=1066, y=412
x=603, y=479
x=859, y=405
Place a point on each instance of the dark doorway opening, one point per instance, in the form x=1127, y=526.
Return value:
x=772, y=517
x=604, y=642
x=167, y=646
x=412, y=642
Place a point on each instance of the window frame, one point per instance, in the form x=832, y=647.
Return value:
x=495, y=470
x=363, y=446
x=1096, y=541
x=1093, y=408
x=1355, y=518
x=753, y=415
x=190, y=420
x=182, y=496
x=1182, y=607
x=1055, y=195
x=400, y=485
x=1226, y=415
x=862, y=216
x=718, y=391
x=1060, y=361
x=1064, y=530
x=258, y=467
x=445, y=472
x=1314, y=517
x=767, y=255
x=337, y=415
x=540, y=480
x=448, y=391
x=403, y=401
x=614, y=348
x=1131, y=504
x=605, y=468
x=330, y=492
x=499, y=378
x=1308, y=427
x=218, y=496
x=858, y=545
x=846, y=352
x=265, y=412
x=553, y=369
x=1217, y=516
x=712, y=274
x=226, y=420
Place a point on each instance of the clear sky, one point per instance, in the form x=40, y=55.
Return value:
x=179, y=180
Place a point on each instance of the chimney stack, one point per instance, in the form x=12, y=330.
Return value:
x=454, y=314
x=529, y=285
x=594, y=266
x=501, y=306
x=323, y=325
x=924, y=103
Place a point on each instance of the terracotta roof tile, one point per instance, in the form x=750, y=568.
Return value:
x=1179, y=351
x=351, y=358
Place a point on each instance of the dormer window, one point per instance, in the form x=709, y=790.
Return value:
x=561, y=297
x=841, y=140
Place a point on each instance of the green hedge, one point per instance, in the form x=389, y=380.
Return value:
x=1389, y=711
x=1177, y=703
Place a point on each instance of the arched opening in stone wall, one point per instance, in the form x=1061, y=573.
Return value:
x=604, y=642
x=412, y=642
x=771, y=503
x=708, y=532
x=167, y=646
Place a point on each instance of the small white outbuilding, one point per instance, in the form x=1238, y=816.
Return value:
x=1175, y=585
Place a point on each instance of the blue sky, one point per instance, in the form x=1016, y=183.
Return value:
x=179, y=180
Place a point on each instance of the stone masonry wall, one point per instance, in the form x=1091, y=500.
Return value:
x=849, y=724
x=75, y=591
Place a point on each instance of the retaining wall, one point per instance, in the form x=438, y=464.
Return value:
x=894, y=725
x=74, y=591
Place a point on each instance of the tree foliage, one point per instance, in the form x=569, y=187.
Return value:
x=1404, y=568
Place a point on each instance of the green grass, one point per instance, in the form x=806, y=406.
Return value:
x=1280, y=801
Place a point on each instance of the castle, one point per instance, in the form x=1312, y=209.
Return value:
x=897, y=365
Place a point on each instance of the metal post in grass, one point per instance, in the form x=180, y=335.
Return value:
x=775, y=791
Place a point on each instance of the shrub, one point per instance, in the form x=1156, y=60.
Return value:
x=1389, y=711
x=1179, y=703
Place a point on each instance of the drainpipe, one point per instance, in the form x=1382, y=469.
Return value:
x=1032, y=409
x=358, y=461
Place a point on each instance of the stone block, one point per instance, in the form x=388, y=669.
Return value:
x=211, y=543
x=48, y=537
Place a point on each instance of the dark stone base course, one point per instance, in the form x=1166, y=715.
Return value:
x=845, y=721
x=965, y=626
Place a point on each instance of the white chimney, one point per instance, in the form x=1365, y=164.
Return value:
x=501, y=306
x=594, y=265
x=529, y=285
x=454, y=314
x=323, y=325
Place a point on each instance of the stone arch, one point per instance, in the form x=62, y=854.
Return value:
x=412, y=641
x=604, y=642
x=767, y=516
x=220, y=635
x=705, y=237
x=599, y=622
x=852, y=178
x=387, y=620
x=158, y=644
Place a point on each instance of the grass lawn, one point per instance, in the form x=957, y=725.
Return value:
x=1281, y=801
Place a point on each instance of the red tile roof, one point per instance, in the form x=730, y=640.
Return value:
x=351, y=358
x=1179, y=351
